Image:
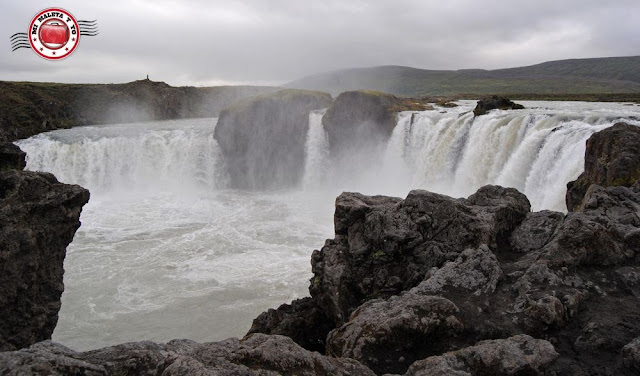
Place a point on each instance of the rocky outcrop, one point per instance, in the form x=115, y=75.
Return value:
x=38, y=219
x=631, y=354
x=495, y=103
x=302, y=320
x=518, y=355
x=612, y=158
x=388, y=335
x=11, y=157
x=358, y=119
x=29, y=108
x=257, y=354
x=446, y=280
x=263, y=138
x=384, y=246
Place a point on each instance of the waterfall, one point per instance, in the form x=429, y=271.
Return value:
x=146, y=156
x=316, y=151
x=536, y=151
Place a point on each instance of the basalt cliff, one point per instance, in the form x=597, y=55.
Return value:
x=38, y=218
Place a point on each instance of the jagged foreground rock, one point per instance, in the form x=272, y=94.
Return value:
x=407, y=280
x=38, y=218
x=255, y=355
x=517, y=355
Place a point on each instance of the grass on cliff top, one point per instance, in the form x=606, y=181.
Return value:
x=576, y=76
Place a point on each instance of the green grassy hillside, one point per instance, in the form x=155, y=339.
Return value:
x=575, y=76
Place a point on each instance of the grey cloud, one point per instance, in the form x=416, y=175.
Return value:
x=213, y=42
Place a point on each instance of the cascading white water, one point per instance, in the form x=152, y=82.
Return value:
x=144, y=156
x=166, y=251
x=316, y=151
x=537, y=150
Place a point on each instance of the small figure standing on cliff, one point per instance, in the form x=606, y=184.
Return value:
x=147, y=77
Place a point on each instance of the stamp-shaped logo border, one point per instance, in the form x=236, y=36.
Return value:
x=54, y=19
x=54, y=33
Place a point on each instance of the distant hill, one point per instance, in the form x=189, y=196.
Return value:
x=574, y=76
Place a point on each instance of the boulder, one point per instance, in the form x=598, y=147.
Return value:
x=388, y=335
x=11, y=157
x=631, y=354
x=302, y=320
x=475, y=271
x=263, y=138
x=605, y=232
x=612, y=158
x=38, y=219
x=446, y=103
x=517, y=355
x=495, y=102
x=257, y=354
x=535, y=231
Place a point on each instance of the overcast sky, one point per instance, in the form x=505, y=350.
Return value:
x=198, y=42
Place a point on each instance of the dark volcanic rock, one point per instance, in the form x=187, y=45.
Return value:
x=257, y=354
x=518, y=355
x=631, y=354
x=612, y=158
x=362, y=118
x=384, y=246
x=263, y=139
x=11, y=157
x=408, y=279
x=389, y=335
x=387, y=245
x=475, y=271
x=495, y=103
x=302, y=320
x=535, y=231
x=38, y=219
